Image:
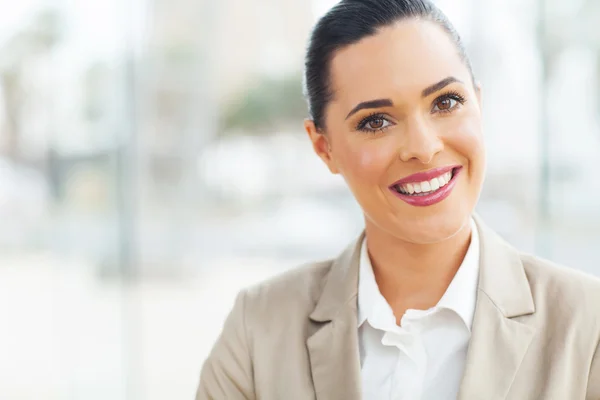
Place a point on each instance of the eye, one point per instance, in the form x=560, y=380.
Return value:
x=448, y=102
x=374, y=123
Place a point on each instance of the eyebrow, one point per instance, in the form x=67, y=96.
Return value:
x=439, y=86
x=370, y=104
x=388, y=103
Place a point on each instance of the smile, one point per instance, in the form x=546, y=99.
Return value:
x=427, y=188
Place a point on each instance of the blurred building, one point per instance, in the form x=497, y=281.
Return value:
x=162, y=140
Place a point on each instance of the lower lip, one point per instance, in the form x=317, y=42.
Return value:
x=430, y=199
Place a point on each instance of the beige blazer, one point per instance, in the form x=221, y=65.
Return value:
x=535, y=333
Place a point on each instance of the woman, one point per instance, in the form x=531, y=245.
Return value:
x=428, y=303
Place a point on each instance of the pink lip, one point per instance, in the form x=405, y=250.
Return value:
x=433, y=198
x=425, y=175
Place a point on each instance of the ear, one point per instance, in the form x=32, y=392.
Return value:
x=321, y=145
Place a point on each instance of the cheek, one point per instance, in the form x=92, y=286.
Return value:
x=367, y=161
x=467, y=140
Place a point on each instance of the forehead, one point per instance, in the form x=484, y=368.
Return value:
x=399, y=60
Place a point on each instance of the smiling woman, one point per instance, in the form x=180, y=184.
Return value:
x=428, y=303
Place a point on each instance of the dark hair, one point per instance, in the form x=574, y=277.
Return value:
x=347, y=23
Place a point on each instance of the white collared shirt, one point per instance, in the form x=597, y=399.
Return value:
x=423, y=358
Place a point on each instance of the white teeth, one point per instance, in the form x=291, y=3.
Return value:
x=426, y=186
x=445, y=178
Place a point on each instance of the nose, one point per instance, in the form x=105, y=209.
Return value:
x=421, y=142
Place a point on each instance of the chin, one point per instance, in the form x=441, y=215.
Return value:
x=429, y=229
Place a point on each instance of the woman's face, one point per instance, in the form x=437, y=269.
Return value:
x=405, y=118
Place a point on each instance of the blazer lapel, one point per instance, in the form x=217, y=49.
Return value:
x=498, y=344
x=333, y=341
x=499, y=340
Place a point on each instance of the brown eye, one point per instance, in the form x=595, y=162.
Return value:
x=445, y=104
x=376, y=123
x=448, y=103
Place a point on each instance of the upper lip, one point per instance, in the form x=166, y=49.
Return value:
x=425, y=175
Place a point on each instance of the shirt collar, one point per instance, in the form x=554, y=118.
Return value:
x=460, y=296
x=371, y=303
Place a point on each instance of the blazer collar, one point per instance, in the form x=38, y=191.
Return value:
x=498, y=344
x=341, y=288
x=500, y=339
x=501, y=278
x=333, y=341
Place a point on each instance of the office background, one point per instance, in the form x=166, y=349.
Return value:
x=153, y=162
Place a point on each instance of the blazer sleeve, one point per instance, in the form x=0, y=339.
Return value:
x=227, y=372
x=593, y=389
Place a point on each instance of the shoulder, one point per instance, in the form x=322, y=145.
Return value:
x=295, y=291
x=563, y=291
x=560, y=279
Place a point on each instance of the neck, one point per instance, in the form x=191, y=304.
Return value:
x=414, y=276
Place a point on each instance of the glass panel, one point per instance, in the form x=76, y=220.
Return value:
x=153, y=162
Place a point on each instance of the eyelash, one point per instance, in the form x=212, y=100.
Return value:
x=370, y=118
x=451, y=95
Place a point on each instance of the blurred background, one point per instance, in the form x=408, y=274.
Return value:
x=153, y=162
